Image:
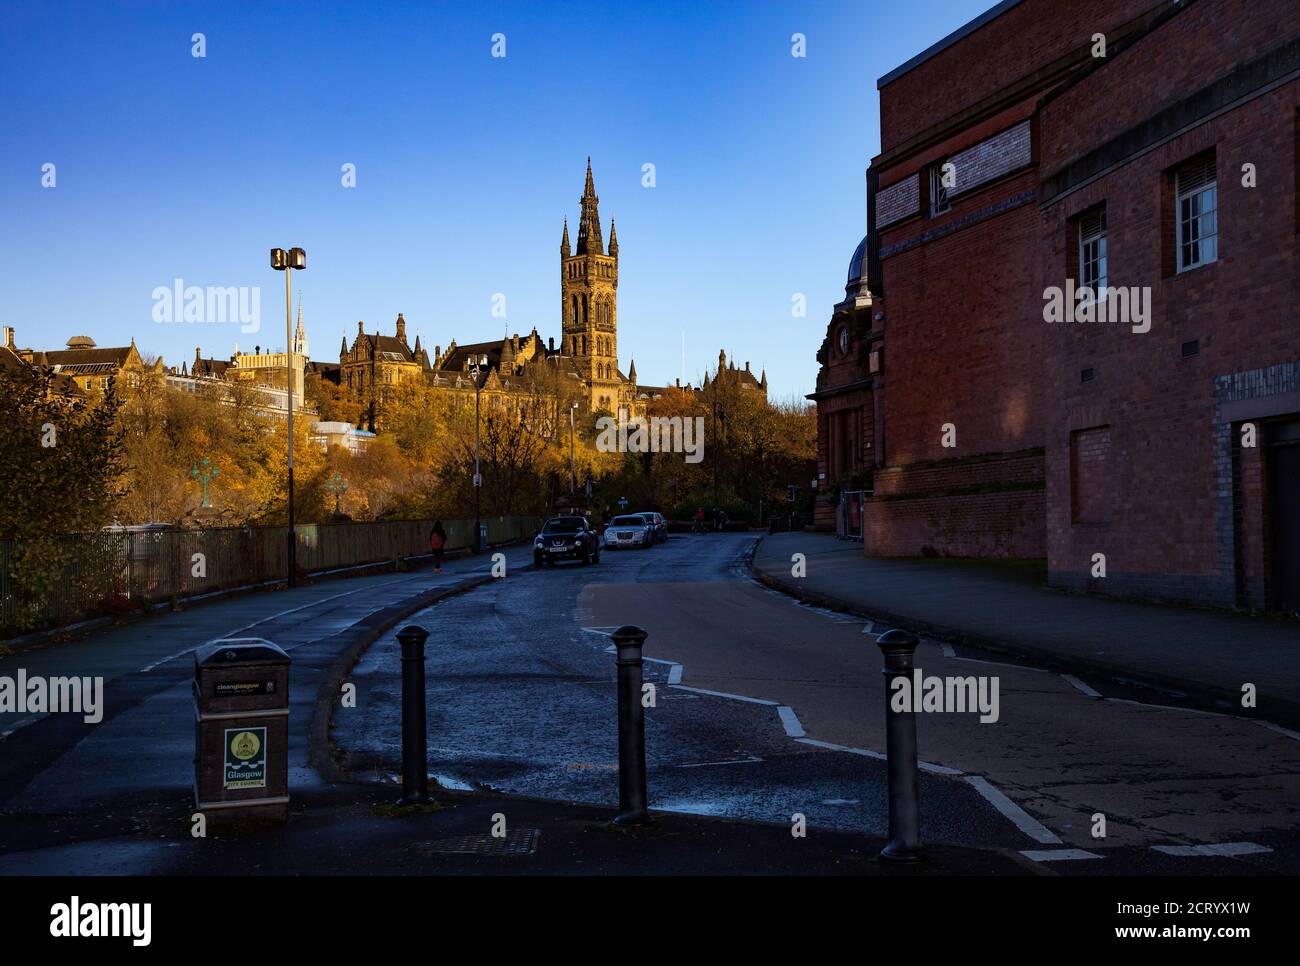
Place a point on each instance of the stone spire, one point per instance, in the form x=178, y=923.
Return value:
x=300, y=334
x=613, y=239
x=564, y=242
x=590, y=239
x=631, y=371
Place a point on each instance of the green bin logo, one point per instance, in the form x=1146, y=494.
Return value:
x=245, y=758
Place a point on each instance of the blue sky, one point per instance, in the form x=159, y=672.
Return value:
x=170, y=166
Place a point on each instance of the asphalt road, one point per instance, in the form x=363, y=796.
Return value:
x=766, y=708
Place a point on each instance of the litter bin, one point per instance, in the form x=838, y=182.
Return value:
x=241, y=728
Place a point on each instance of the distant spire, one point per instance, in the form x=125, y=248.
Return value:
x=300, y=334
x=589, y=236
x=631, y=370
x=613, y=238
x=763, y=382
x=564, y=242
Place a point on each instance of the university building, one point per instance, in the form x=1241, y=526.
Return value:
x=585, y=361
x=1144, y=154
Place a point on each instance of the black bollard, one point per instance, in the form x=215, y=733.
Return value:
x=415, y=742
x=631, y=728
x=904, y=845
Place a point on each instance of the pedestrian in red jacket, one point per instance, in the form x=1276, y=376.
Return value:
x=437, y=541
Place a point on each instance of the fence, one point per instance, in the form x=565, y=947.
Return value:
x=63, y=579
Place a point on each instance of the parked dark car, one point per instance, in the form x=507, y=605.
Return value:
x=566, y=538
x=658, y=525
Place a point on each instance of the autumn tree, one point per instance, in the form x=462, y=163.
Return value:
x=60, y=459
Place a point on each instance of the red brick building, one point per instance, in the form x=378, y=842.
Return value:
x=1147, y=151
x=847, y=387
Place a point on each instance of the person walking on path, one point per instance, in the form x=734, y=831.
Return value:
x=437, y=541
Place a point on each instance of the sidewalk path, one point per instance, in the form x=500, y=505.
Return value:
x=1205, y=654
x=115, y=798
x=144, y=744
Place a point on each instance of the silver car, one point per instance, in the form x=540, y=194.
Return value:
x=631, y=530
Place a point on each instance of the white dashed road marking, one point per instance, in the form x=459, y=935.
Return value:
x=1219, y=849
x=1035, y=829
x=1057, y=855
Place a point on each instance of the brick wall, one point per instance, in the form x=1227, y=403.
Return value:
x=1204, y=41
x=1180, y=526
x=990, y=505
x=1093, y=495
x=1030, y=36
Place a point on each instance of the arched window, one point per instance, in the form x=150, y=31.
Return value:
x=575, y=308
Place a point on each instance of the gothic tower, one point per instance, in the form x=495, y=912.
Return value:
x=588, y=296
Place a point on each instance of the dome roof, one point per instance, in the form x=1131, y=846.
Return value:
x=858, y=263
x=857, y=283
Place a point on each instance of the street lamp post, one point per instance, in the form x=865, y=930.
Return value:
x=204, y=472
x=338, y=486
x=283, y=261
x=573, y=478
x=474, y=369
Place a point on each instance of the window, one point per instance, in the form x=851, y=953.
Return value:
x=1197, y=213
x=938, y=190
x=1092, y=251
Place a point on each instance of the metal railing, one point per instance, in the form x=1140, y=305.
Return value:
x=65, y=579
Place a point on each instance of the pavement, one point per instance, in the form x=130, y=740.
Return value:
x=115, y=797
x=767, y=716
x=765, y=708
x=1199, y=655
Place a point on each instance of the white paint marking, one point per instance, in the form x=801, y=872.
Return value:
x=1013, y=667
x=1170, y=707
x=791, y=721
x=730, y=761
x=284, y=613
x=1035, y=829
x=840, y=801
x=1080, y=686
x=1057, y=855
x=869, y=628
x=454, y=784
x=938, y=769
x=948, y=651
x=724, y=694
x=923, y=765
x=1220, y=849
x=830, y=746
x=1279, y=729
x=675, y=675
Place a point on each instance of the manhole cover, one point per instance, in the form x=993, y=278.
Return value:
x=516, y=842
